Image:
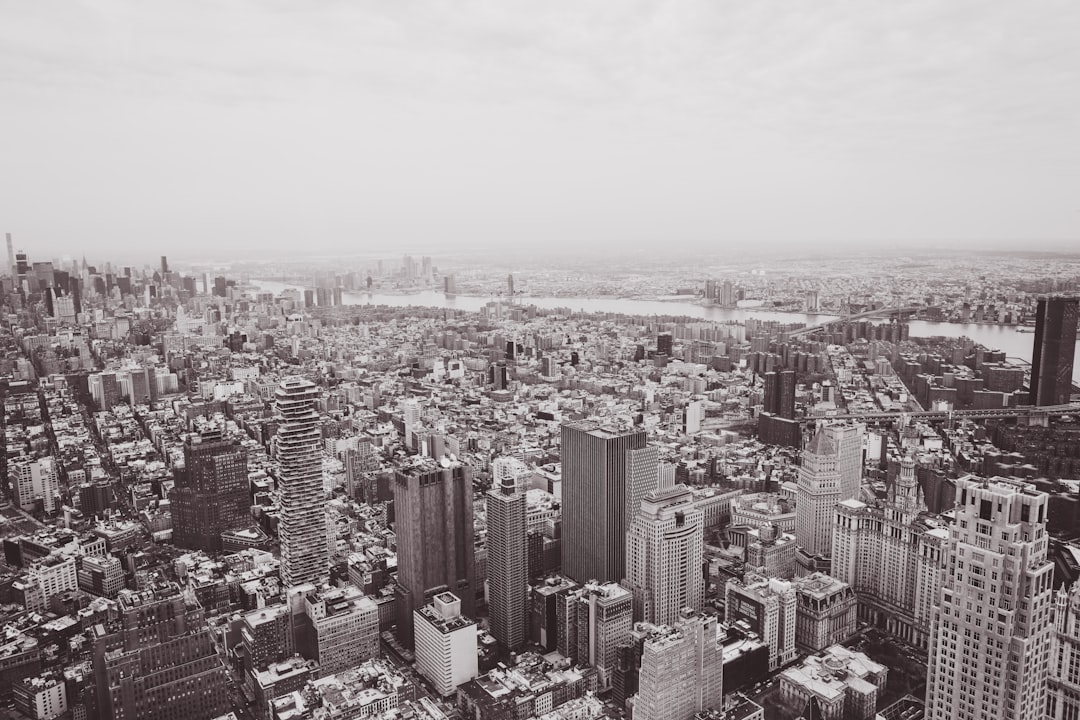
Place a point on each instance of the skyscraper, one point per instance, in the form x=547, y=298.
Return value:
x=780, y=393
x=682, y=671
x=508, y=571
x=818, y=491
x=664, y=549
x=434, y=529
x=11, y=256
x=606, y=471
x=991, y=630
x=210, y=492
x=159, y=661
x=302, y=529
x=1055, y=347
x=849, y=462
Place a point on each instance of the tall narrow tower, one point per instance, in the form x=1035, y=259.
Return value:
x=304, y=550
x=1054, y=351
x=818, y=492
x=991, y=629
x=508, y=571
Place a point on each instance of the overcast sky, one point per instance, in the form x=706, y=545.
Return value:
x=193, y=128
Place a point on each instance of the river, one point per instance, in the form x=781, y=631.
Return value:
x=996, y=337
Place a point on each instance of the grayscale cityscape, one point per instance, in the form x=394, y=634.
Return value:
x=560, y=361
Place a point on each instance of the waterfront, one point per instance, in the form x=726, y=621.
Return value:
x=1009, y=338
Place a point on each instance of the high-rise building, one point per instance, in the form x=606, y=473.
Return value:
x=664, y=344
x=593, y=621
x=991, y=631
x=891, y=556
x=818, y=491
x=302, y=528
x=164, y=266
x=825, y=612
x=681, y=672
x=33, y=480
x=767, y=607
x=849, y=462
x=1054, y=351
x=445, y=643
x=664, y=555
x=434, y=529
x=158, y=661
x=508, y=571
x=210, y=494
x=780, y=393
x=339, y=628
x=606, y=472
x=1063, y=688
x=11, y=256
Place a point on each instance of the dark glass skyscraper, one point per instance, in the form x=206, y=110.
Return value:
x=606, y=471
x=1055, y=346
x=435, y=538
x=211, y=491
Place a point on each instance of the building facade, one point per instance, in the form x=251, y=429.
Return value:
x=1055, y=347
x=682, y=671
x=304, y=548
x=664, y=555
x=993, y=613
x=445, y=644
x=606, y=472
x=508, y=570
x=434, y=532
x=210, y=494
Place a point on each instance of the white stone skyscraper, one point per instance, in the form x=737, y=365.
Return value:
x=849, y=461
x=508, y=566
x=891, y=556
x=302, y=528
x=664, y=554
x=991, y=630
x=818, y=491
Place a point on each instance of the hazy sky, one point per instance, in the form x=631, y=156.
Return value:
x=195, y=128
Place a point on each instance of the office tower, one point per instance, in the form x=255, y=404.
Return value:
x=664, y=344
x=210, y=494
x=606, y=473
x=410, y=411
x=593, y=621
x=681, y=671
x=849, y=463
x=11, y=256
x=164, y=266
x=1063, y=686
x=266, y=635
x=664, y=555
x=818, y=491
x=445, y=643
x=891, y=556
x=991, y=631
x=767, y=607
x=508, y=572
x=510, y=284
x=825, y=612
x=544, y=598
x=302, y=528
x=434, y=530
x=1055, y=346
x=339, y=628
x=101, y=575
x=158, y=661
x=33, y=480
x=780, y=393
